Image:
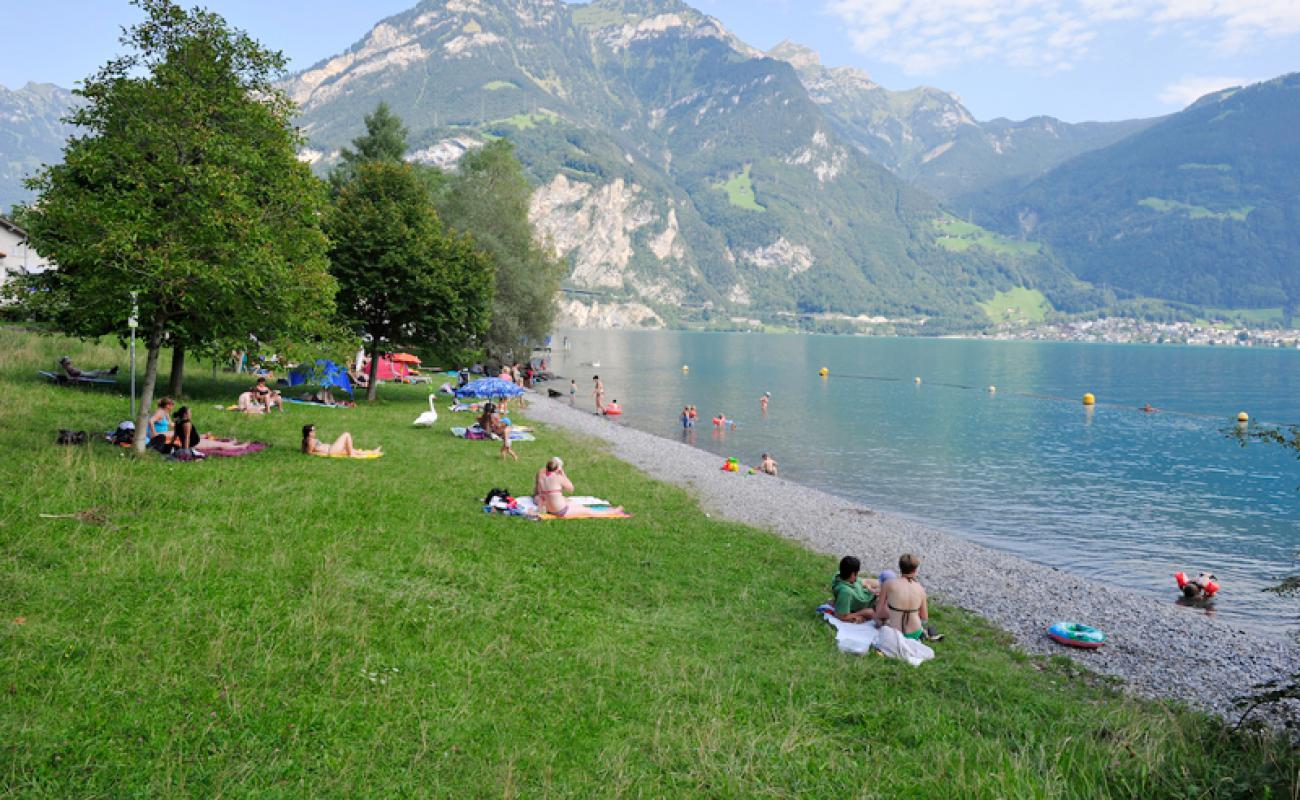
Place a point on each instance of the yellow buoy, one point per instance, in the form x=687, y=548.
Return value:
x=823, y=372
x=1243, y=417
x=1089, y=400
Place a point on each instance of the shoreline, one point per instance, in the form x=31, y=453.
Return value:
x=1158, y=649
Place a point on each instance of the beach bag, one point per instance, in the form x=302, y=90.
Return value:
x=124, y=436
x=67, y=437
x=494, y=493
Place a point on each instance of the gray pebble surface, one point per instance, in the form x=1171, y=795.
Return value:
x=1158, y=649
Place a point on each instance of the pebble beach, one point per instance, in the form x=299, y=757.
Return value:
x=1157, y=648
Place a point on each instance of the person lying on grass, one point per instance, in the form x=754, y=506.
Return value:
x=902, y=603
x=853, y=600
x=90, y=374
x=342, y=446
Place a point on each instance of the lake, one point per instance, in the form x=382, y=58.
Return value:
x=1112, y=492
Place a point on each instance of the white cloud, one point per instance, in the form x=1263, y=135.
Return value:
x=925, y=36
x=1192, y=88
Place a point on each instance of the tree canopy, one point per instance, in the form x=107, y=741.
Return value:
x=489, y=197
x=403, y=278
x=185, y=188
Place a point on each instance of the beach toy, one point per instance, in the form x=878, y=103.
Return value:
x=613, y=410
x=1074, y=634
x=1089, y=400
x=731, y=465
x=823, y=372
x=1243, y=417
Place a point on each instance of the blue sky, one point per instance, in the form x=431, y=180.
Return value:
x=1074, y=59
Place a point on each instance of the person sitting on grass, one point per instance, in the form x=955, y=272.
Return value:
x=65, y=364
x=549, y=487
x=492, y=423
x=266, y=396
x=185, y=440
x=341, y=447
x=160, y=422
x=902, y=603
x=854, y=601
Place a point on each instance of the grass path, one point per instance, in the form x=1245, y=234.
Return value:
x=290, y=626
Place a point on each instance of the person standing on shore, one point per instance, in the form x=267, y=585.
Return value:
x=573, y=390
x=902, y=604
x=600, y=394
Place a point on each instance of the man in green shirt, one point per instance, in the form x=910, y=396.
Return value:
x=853, y=601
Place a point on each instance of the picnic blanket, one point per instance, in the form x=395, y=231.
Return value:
x=67, y=379
x=515, y=435
x=859, y=638
x=219, y=448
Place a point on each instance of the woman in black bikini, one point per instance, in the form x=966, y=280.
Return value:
x=902, y=603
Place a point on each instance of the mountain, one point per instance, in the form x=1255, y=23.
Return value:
x=1202, y=207
x=930, y=139
x=31, y=133
x=675, y=164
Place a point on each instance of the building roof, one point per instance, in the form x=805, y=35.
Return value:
x=11, y=226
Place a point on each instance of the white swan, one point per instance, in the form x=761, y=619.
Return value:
x=429, y=417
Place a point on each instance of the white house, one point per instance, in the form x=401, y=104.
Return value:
x=16, y=256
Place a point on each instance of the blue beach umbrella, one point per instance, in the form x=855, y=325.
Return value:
x=489, y=387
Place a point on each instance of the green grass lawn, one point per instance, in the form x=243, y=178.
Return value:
x=525, y=122
x=496, y=86
x=281, y=625
x=958, y=236
x=1019, y=305
x=740, y=191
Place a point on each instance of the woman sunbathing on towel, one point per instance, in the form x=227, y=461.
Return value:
x=342, y=446
x=549, y=488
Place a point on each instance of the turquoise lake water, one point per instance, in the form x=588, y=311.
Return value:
x=1115, y=493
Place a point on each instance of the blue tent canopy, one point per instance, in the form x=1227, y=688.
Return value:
x=324, y=373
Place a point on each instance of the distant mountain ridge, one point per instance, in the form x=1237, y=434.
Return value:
x=929, y=138
x=679, y=168
x=1202, y=207
x=32, y=133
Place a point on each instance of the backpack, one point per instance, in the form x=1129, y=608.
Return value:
x=124, y=435
x=67, y=437
x=493, y=494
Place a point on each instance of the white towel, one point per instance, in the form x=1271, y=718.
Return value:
x=896, y=645
x=853, y=637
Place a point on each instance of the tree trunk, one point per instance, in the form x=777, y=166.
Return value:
x=178, y=372
x=372, y=385
x=146, y=391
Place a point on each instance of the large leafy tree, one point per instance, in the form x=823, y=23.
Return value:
x=184, y=188
x=403, y=278
x=489, y=196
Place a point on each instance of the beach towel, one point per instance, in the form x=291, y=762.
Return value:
x=860, y=637
x=515, y=435
x=579, y=508
x=311, y=403
x=370, y=457
x=851, y=637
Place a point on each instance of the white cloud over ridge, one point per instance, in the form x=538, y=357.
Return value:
x=926, y=36
x=1193, y=88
